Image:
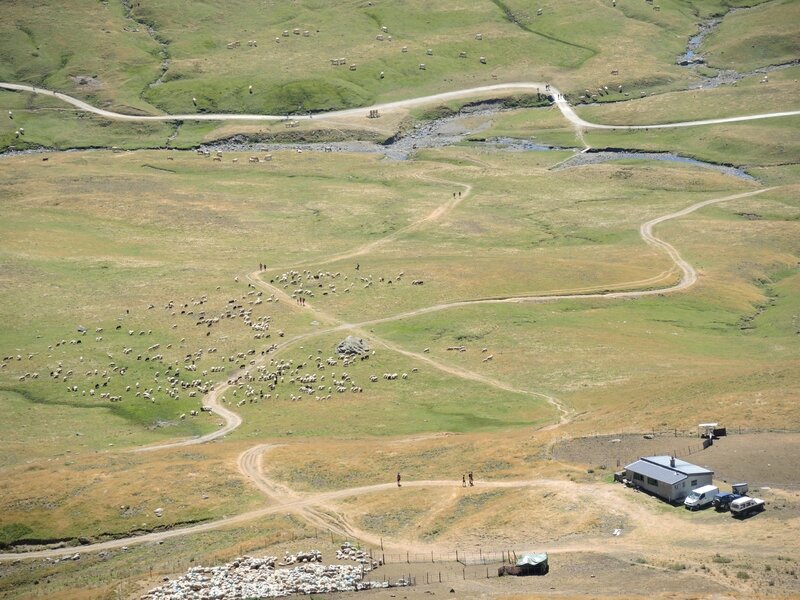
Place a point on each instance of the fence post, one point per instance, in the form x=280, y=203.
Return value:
x=464, y=573
x=480, y=553
x=427, y=578
x=381, y=543
x=487, y=572
x=440, y=577
x=456, y=554
x=432, y=556
x=383, y=557
x=408, y=560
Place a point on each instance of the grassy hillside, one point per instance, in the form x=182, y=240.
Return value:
x=127, y=288
x=761, y=36
x=159, y=54
x=86, y=248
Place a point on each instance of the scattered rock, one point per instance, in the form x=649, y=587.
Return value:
x=352, y=346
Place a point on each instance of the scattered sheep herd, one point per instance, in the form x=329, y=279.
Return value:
x=307, y=283
x=250, y=577
x=190, y=375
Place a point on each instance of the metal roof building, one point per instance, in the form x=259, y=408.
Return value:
x=666, y=477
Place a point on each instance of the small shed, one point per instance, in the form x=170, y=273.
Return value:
x=711, y=430
x=528, y=564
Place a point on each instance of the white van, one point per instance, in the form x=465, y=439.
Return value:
x=702, y=496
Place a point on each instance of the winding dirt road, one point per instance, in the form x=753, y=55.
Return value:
x=313, y=507
x=316, y=508
x=308, y=506
x=230, y=418
x=500, y=88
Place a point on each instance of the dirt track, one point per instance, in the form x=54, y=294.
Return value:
x=249, y=462
x=318, y=508
x=503, y=88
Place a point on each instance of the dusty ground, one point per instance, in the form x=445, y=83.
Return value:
x=761, y=459
x=579, y=574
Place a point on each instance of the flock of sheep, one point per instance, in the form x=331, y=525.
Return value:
x=139, y=370
x=250, y=577
x=307, y=283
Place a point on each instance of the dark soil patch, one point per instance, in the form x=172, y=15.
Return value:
x=761, y=459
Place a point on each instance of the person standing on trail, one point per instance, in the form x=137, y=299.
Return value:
x=471, y=481
x=358, y=266
x=463, y=480
x=398, y=479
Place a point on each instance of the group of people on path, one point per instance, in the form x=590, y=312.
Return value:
x=301, y=301
x=464, y=479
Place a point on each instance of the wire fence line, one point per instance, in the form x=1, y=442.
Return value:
x=463, y=557
x=674, y=432
x=432, y=576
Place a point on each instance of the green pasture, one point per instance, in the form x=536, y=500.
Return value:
x=111, y=56
x=664, y=360
x=765, y=142
x=91, y=247
x=112, y=261
x=85, y=48
x=427, y=401
x=763, y=35
x=748, y=96
x=536, y=231
x=94, y=239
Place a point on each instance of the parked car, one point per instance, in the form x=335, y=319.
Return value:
x=744, y=507
x=722, y=501
x=702, y=496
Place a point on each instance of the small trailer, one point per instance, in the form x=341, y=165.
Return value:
x=740, y=488
x=744, y=507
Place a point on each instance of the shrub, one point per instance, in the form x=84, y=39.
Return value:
x=721, y=559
